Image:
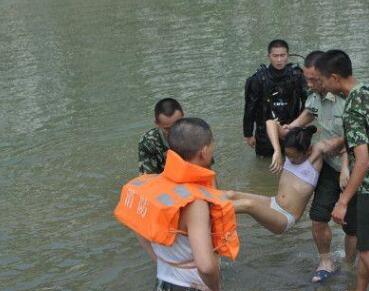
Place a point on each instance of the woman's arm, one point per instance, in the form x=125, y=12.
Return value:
x=324, y=147
x=330, y=146
x=273, y=134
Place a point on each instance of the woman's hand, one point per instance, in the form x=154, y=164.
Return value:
x=277, y=162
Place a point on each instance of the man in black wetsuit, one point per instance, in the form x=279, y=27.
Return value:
x=273, y=92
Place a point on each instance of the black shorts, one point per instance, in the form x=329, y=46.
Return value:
x=327, y=192
x=363, y=222
x=166, y=286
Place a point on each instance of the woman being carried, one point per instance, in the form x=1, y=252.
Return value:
x=296, y=185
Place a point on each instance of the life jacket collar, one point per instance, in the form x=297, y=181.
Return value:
x=180, y=171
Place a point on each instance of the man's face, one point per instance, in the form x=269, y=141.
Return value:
x=313, y=79
x=331, y=83
x=165, y=122
x=278, y=57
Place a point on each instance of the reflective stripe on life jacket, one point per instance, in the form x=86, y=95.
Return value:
x=150, y=205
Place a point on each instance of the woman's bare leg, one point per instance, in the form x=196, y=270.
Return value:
x=236, y=195
x=258, y=207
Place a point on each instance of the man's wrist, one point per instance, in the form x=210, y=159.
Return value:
x=343, y=201
x=295, y=123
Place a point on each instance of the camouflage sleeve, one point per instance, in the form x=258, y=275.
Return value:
x=357, y=123
x=147, y=159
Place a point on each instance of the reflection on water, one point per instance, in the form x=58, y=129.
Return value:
x=78, y=85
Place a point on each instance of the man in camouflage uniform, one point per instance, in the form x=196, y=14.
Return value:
x=153, y=145
x=336, y=74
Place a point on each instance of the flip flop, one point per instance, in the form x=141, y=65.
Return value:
x=323, y=275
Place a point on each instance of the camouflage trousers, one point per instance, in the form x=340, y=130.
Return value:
x=166, y=286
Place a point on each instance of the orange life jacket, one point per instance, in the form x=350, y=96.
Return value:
x=150, y=204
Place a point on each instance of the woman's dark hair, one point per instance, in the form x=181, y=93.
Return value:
x=299, y=138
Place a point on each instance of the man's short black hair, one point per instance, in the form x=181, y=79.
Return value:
x=334, y=62
x=188, y=136
x=278, y=43
x=167, y=106
x=311, y=58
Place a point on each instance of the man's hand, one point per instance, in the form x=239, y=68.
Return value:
x=277, y=161
x=285, y=128
x=339, y=212
x=344, y=177
x=250, y=141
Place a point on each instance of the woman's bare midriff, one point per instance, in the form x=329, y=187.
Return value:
x=293, y=194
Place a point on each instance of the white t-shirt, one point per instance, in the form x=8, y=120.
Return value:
x=179, y=252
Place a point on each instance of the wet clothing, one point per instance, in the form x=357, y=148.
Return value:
x=356, y=127
x=304, y=171
x=328, y=112
x=270, y=94
x=290, y=218
x=180, y=251
x=326, y=195
x=152, y=149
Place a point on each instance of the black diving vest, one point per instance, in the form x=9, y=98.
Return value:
x=280, y=98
